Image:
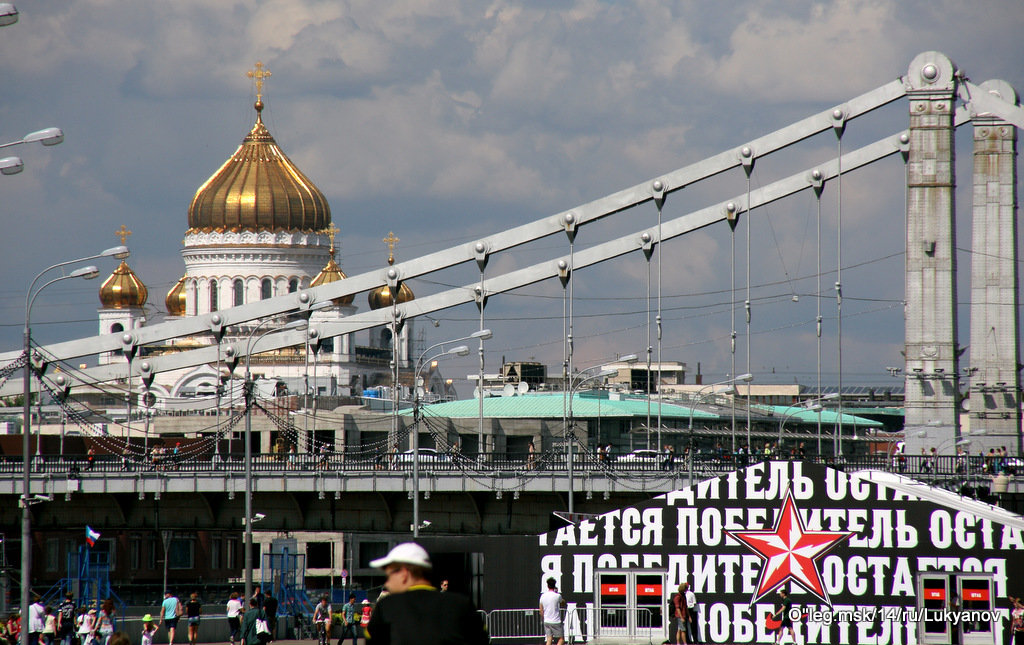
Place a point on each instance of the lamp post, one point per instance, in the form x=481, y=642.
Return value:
x=810, y=405
x=697, y=398
x=791, y=413
x=574, y=385
x=481, y=335
x=461, y=350
x=88, y=272
x=249, y=398
x=745, y=378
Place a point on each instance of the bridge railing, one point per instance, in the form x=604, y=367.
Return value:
x=945, y=466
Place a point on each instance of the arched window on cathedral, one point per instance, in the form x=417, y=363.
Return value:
x=266, y=289
x=117, y=328
x=213, y=295
x=293, y=285
x=239, y=293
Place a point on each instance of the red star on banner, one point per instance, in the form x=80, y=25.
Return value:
x=790, y=552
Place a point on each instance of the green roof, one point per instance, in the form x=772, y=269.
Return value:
x=551, y=406
x=803, y=415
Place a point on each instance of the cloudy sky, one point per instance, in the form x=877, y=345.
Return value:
x=447, y=120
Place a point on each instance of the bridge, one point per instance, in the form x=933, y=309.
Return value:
x=461, y=495
x=939, y=99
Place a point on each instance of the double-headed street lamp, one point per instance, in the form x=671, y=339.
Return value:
x=574, y=384
x=461, y=350
x=249, y=399
x=88, y=272
x=714, y=389
x=744, y=378
x=810, y=405
x=47, y=137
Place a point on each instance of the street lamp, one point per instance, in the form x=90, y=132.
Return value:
x=482, y=335
x=248, y=390
x=461, y=350
x=574, y=385
x=8, y=14
x=696, y=399
x=810, y=405
x=745, y=378
x=87, y=273
x=47, y=136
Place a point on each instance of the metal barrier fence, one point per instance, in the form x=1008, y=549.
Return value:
x=949, y=466
x=515, y=623
x=581, y=624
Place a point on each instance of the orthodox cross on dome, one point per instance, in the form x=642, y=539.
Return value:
x=122, y=233
x=259, y=74
x=391, y=241
x=332, y=230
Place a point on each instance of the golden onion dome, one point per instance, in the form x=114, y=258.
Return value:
x=381, y=296
x=258, y=189
x=123, y=289
x=175, y=300
x=332, y=273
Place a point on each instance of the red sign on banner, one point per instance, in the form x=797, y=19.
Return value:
x=975, y=594
x=613, y=590
x=648, y=590
x=935, y=594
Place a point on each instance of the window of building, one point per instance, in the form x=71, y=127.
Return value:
x=318, y=555
x=52, y=553
x=135, y=552
x=154, y=549
x=213, y=296
x=231, y=557
x=182, y=553
x=239, y=293
x=266, y=289
x=293, y=285
x=195, y=297
x=216, y=561
x=106, y=551
x=371, y=551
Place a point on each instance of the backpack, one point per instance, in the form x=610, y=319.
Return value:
x=672, y=605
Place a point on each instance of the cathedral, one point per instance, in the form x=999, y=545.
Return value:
x=258, y=228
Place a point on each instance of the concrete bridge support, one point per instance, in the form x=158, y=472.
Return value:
x=995, y=353
x=931, y=349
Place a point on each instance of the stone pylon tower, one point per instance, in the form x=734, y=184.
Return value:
x=994, y=350
x=931, y=349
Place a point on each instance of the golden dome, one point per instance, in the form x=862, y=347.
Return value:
x=123, y=290
x=175, y=300
x=258, y=189
x=332, y=273
x=381, y=296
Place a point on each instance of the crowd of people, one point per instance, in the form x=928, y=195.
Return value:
x=65, y=625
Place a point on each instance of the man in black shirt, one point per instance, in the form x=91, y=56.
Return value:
x=415, y=612
x=66, y=619
x=270, y=609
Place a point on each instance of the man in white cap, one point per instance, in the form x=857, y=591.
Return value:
x=415, y=612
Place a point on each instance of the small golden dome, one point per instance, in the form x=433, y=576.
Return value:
x=381, y=296
x=258, y=189
x=175, y=300
x=332, y=272
x=123, y=290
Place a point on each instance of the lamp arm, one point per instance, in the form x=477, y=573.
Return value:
x=420, y=361
x=29, y=295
